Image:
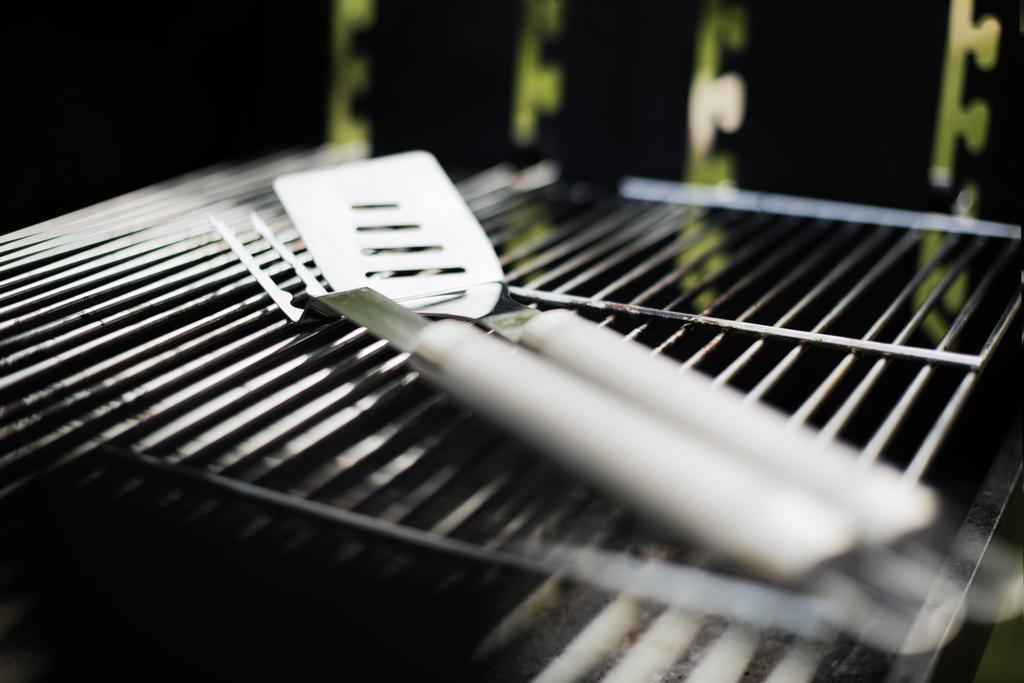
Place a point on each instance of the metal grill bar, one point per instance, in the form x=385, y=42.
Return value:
x=687, y=239
x=151, y=206
x=700, y=255
x=768, y=245
x=621, y=248
x=840, y=418
x=939, y=357
x=731, y=198
x=874, y=447
x=744, y=253
x=826, y=250
x=835, y=274
x=825, y=388
x=587, y=245
x=814, y=402
x=657, y=649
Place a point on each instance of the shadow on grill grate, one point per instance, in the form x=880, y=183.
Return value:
x=140, y=355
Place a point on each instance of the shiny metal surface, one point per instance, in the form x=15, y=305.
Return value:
x=130, y=327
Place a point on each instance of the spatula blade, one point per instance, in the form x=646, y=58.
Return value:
x=395, y=224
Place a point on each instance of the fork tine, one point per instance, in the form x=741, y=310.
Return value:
x=313, y=287
x=282, y=298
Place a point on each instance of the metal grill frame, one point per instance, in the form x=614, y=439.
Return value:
x=202, y=188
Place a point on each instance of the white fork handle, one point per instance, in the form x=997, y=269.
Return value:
x=673, y=477
x=884, y=506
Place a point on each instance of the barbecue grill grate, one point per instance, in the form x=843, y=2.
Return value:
x=131, y=334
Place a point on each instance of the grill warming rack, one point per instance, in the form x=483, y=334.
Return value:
x=130, y=333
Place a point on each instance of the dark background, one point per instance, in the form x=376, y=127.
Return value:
x=104, y=99
x=101, y=99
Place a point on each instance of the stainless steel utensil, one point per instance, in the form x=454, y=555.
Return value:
x=680, y=480
x=767, y=523
x=396, y=228
x=398, y=225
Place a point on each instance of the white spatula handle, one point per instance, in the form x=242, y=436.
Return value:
x=884, y=506
x=676, y=478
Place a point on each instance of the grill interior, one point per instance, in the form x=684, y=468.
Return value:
x=178, y=412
